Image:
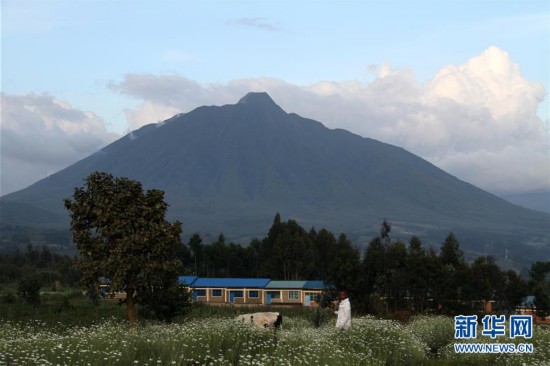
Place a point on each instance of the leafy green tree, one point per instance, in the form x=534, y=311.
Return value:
x=396, y=274
x=486, y=279
x=121, y=233
x=417, y=279
x=434, y=280
x=345, y=265
x=453, y=287
x=326, y=247
x=269, y=263
x=295, y=252
x=515, y=289
x=374, y=267
x=288, y=252
x=451, y=255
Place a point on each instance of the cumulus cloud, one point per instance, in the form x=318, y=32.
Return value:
x=41, y=135
x=477, y=120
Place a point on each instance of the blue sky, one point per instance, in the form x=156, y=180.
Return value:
x=121, y=64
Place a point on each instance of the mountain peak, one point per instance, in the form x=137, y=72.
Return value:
x=258, y=99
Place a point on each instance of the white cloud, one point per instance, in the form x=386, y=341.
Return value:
x=477, y=121
x=258, y=22
x=491, y=81
x=41, y=135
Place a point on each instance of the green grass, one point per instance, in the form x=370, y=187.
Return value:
x=69, y=309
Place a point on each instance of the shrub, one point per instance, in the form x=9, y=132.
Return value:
x=435, y=331
x=9, y=298
x=29, y=290
x=165, y=305
x=62, y=304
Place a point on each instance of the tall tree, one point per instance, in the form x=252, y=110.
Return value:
x=452, y=285
x=451, y=255
x=195, y=243
x=515, y=289
x=326, y=247
x=396, y=274
x=345, y=265
x=540, y=286
x=121, y=233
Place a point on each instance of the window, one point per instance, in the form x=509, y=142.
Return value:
x=294, y=295
x=253, y=294
x=238, y=293
x=216, y=293
x=313, y=296
x=274, y=294
x=200, y=292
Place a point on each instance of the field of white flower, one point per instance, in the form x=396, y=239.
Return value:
x=218, y=341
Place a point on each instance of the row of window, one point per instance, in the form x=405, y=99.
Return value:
x=254, y=294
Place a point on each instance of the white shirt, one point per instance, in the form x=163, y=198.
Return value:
x=344, y=314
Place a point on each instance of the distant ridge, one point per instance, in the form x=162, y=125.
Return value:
x=231, y=168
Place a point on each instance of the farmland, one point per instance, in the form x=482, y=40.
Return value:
x=210, y=336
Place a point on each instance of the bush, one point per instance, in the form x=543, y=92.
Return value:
x=164, y=305
x=320, y=316
x=9, y=298
x=435, y=331
x=29, y=290
x=62, y=304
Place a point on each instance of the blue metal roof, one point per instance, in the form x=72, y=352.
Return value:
x=317, y=285
x=231, y=282
x=304, y=285
x=187, y=280
x=195, y=281
x=286, y=284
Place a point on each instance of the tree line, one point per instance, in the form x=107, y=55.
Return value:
x=389, y=276
x=39, y=262
x=121, y=233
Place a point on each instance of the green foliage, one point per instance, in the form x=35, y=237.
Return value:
x=9, y=298
x=344, y=266
x=393, y=276
x=166, y=304
x=67, y=309
x=540, y=285
x=121, y=233
x=29, y=290
x=435, y=331
x=48, y=267
x=320, y=316
x=451, y=255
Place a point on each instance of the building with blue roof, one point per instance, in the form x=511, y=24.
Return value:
x=187, y=281
x=307, y=293
x=254, y=291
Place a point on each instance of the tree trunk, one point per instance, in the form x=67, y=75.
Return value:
x=131, y=307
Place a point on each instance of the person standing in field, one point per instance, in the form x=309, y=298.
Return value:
x=344, y=311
